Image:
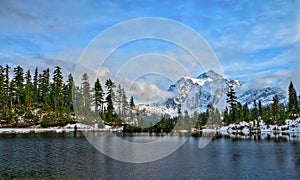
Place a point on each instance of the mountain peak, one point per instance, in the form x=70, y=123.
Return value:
x=265, y=94
x=210, y=74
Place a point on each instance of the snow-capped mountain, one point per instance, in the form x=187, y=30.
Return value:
x=265, y=95
x=195, y=94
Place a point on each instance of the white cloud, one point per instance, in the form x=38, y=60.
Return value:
x=142, y=91
x=295, y=78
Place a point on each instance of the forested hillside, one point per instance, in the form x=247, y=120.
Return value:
x=33, y=99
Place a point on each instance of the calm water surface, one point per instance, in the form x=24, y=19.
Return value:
x=63, y=156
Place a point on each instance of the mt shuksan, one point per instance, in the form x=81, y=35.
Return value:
x=195, y=94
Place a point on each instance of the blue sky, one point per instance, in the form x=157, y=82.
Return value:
x=255, y=41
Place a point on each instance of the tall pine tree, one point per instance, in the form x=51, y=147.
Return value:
x=293, y=100
x=44, y=90
x=7, y=87
x=86, y=89
x=35, y=88
x=68, y=93
x=28, y=90
x=275, y=108
x=2, y=90
x=19, y=83
x=98, y=96
x=231, y=100
x=57, y=89
x=124, y=102
x=109, y=99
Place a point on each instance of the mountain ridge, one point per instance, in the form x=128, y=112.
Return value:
x=196, y=93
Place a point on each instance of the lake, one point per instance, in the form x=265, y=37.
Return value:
x=65, y=156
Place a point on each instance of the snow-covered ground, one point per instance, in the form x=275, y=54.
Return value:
x=67, y=128
x=291, y=126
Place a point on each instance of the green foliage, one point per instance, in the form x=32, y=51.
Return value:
x=39, y=100
x=254, y=111
x=275, y=107
x=245, y=113
x=19, y=85
x=2, y=90
x=68, y=94
x=276, y=113
x=98, y=96
x=164, y=125
x=131, y=104
x=87, y=100
x=32, y=99
x=57, y=90
x=109, y=100
x=231, y=100
x=226, y=118
x=293, y=100
x=260, y=108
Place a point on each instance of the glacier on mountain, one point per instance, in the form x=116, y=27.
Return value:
x=196, y=93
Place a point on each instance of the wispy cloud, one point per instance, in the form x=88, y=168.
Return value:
x=143, y=91
x=252, y=39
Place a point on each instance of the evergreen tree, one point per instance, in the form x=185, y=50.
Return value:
x=293, y=101
x=12, y=93
x=28, y=90
x=299, y=104
x=131, y=104
x=124, y=102
x=254, y=113
x=260, y=109
x=86, y=93
x=217, y=116
x=44, y=89
x=19, y=83
x=226, y=118
x=68, y=93
x=35, y=88
x=7, y=87
x=203, y=118
x=78, y=100
x=57, y=89
x=98, y=96
x=246, y=112
x=195, y=119
x=231, y=99
x=239, y=113
x=275, y=108
x=109, y=99
x=2, y=91
x=119, y=97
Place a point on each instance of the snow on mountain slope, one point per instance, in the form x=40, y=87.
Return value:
x=265, y=95
x=196, y=93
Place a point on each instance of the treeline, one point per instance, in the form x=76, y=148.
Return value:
x=42, y=99
x=197, y=120
x=235, y=112
x=274, y=113
x=95, y=103
x=34, y=99
x=28, y=99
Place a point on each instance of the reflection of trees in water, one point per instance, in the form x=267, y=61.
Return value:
x=270, y=136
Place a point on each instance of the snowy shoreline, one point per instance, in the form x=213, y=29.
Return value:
x=44, y=130
x=66, y=129
x=245, y=128
x=291, y=126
